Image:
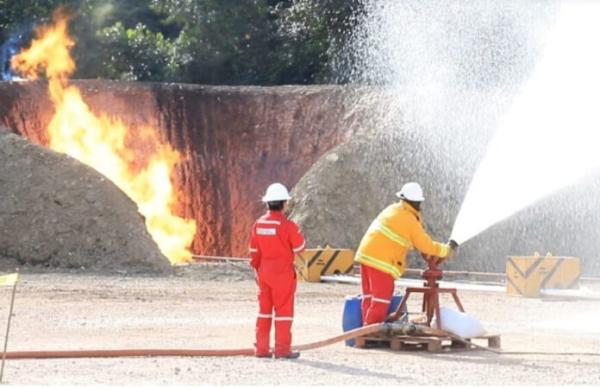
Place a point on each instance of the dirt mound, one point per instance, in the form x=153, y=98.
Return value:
x=335, y=202
x=58, y=213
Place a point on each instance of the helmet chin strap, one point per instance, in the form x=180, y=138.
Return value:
x=414, y=204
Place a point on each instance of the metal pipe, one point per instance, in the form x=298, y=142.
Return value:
x=493, y=276
x=220, y=258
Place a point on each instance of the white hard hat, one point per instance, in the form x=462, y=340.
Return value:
x=411, y=191
x=276, y=192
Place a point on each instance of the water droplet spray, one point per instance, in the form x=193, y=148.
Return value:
x=549, y=138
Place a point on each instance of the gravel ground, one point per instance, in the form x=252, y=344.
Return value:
x=213, y=306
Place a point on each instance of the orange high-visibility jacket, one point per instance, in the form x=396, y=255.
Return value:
x=395, y=231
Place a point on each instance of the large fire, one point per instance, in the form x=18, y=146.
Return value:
x=102, y=142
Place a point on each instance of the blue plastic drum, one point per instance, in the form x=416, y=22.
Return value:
x=396, y=299
x=352, y=315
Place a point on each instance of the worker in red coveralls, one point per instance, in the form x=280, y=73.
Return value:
x=274, y=242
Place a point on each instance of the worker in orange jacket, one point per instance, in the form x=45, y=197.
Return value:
x=382, y=250
x=273, y=244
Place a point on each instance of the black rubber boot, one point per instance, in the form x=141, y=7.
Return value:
x=291, y=355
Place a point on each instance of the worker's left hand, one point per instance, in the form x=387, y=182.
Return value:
x=453, y=244
x=453, y=248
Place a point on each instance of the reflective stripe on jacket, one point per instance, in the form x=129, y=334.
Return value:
x=395, y=231
x=274, y=242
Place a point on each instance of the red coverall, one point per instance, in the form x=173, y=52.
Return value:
x=273, y=243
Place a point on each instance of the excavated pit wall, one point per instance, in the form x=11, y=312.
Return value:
x=323, y=142
x=234, y=140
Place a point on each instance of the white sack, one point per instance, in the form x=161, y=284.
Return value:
x=459, y=323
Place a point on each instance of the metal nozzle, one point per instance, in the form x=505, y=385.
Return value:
x=395, y=328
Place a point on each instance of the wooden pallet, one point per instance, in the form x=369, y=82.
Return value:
x=429, y=343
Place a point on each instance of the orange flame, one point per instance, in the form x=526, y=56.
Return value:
x=100, y=141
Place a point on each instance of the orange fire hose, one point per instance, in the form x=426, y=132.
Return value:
x=376, y=328
x=392, y=328
x=33, y=354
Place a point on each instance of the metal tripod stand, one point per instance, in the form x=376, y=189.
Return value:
x=431, y=291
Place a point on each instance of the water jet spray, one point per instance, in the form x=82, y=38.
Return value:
x=548, y=139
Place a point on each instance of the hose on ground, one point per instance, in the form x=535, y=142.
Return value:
x=104, y=353
x=376, y=328
x=394, y=328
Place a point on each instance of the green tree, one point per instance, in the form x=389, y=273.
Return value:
x=313, y=33
x=224, y=41
x=15, y=14
x=124, y=40
x=202, y=41
x=149, y=54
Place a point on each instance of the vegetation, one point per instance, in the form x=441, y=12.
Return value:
x=236, y=42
